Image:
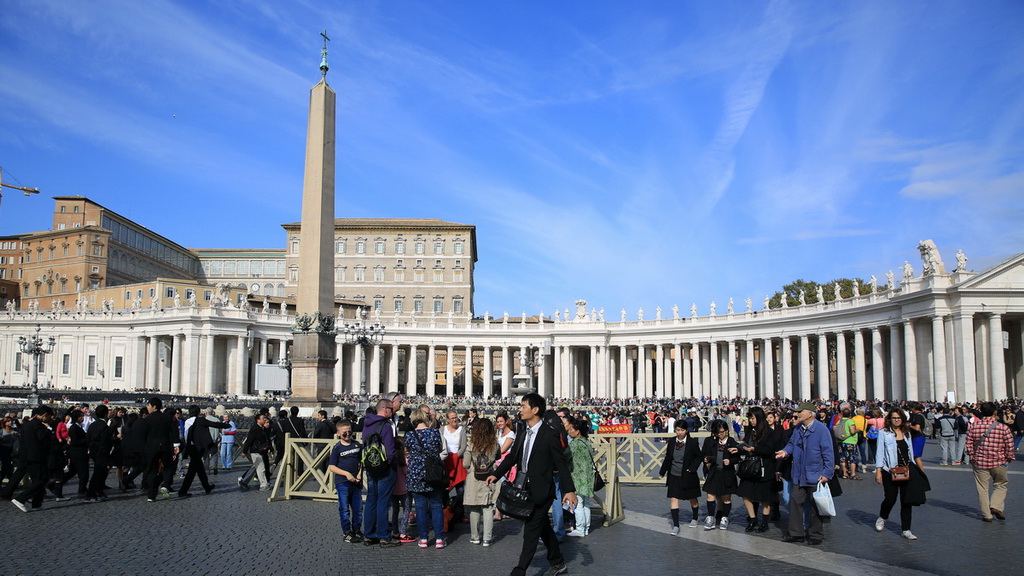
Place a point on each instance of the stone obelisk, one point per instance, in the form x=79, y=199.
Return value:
x=313, y=350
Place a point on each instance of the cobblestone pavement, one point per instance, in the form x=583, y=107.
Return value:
x=236, y=533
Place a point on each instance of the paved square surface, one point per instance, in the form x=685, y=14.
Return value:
x=233, y=533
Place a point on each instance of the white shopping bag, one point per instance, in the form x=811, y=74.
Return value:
x=823, y=500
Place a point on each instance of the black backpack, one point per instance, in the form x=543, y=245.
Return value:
x=375, y=455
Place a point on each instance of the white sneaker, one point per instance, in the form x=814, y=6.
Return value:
x=709, y=523
x=909, y=535
x=879, y=524
x=575, y=534
x=724, y=524
x=694, y=523
x=20, y=505
x=674, y=531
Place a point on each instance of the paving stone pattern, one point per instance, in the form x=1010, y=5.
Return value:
x=238, y=533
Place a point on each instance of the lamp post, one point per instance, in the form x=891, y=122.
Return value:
x=529, y=358
x=364, y=335
x=35, y=347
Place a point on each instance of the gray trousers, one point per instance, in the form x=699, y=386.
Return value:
x=800, y=495
x=960, y=455
x=947, y=445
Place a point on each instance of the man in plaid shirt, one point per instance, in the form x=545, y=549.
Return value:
x=990, y=446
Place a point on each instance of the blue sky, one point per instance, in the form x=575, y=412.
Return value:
x=635, y=154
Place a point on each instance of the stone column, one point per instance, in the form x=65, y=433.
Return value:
x=805, y=368
x=730, y=369
x=557, y=360
x=996, y=359
x=263, y=350
x=768, y=368
x=659, y=366
x=449, y=371
x=604, y=372
x=860, y=380
x=432, y=368
x=506, y=376
x=339, y=372
x=842, y=370
x=489, y=372
x=877, y=362
x=899, y=391
x=594, y=363
x=910, y=361
x=176, y=352
x=467, y=370
x=642, y=390
x=209, y=386
x=941, y=384
x=787, y=388
x=716, y=385
x=677, y=371
x=393, y=369
x=238, y=386
x=749, y=378
x=192, y=374
x=821, y=368
x=411, y=368
x=153, y=364
x=624, y=392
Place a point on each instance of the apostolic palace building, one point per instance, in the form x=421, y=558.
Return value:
x=130, y=309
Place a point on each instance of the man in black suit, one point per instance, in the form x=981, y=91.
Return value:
x=323, y=430
x=36, y=441
x=198, y=443
x=101, y=443
x=161, y=444
x=540, y=455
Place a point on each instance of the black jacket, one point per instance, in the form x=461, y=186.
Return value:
x=78, y=441
x=323, y=429
x=199, y=433
x=692, y=458
x=36, y=440
x=101, y=440
x=160, y=433
x=256, y=440
x=547, y=457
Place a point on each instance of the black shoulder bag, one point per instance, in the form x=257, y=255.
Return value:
x=514, y=497
x=434, y=474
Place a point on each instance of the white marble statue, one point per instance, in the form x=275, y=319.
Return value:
x=623, y=316
x=749, y=303
x=593, y=315
x=581, y=309
x=600, y=315
x=657, y=313
x=766, y=302
x=192, y=299
x=729, y=307
x=931, y=259
x=838, y=291
x=819, y=292
x=693, y=310
x=558, y=316
x=137, y=304
x=713, y=308
x=177, y=299
x=504, y=319
x=284, y=307
x=784, y=300
x=890, y=279
x=961, y=261
x=856, y=288
x=803, y=297
x=10, y=306
x=873, y=284
x=640, y=315
x=266, y=306
x=908, y=272
x=675, y=311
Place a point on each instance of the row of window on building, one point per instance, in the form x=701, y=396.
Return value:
x=418, y=304
x=419, y=247
x=253, y=268
x=398, y=275
x=23, y=362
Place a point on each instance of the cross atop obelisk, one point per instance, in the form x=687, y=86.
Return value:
x=314, y=350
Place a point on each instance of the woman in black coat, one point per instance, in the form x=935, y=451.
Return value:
x=682, y=458
x=761, y=442
x=721, y=454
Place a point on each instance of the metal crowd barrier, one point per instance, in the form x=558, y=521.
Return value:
x=621, y=458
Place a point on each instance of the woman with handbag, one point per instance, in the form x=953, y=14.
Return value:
x=582, y=452
x=426, y=478
x=479, y=497
x=682, y=459
x=757, y=471
x=894, y=462
x=721, y=454
x=506, y=438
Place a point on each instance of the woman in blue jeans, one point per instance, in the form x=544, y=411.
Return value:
x=424, y=442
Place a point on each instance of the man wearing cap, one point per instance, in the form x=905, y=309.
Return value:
x=813, y=462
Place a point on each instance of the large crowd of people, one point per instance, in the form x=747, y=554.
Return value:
x=435, y=463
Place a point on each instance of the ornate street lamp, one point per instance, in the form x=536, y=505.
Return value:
x=35, y=347
x=529, y=358
x=364, y=335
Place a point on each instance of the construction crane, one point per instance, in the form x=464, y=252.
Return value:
x=27, y=191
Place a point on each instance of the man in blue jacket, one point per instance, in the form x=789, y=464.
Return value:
x=813, y=462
